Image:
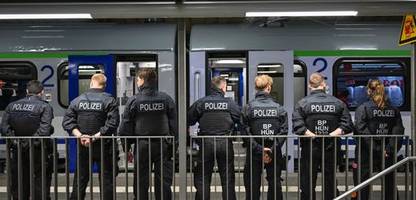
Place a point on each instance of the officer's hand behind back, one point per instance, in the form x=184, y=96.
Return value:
x=337, y=132
x=267, y=158
x=310, y=133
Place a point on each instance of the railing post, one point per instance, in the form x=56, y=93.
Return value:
x=413, y=115
x=182, y=95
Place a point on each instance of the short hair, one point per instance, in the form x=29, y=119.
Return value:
x=148, y=75
x=217, y=81
x=316, y=79
x=262, y=81
x=99, y=78
x=34, y=87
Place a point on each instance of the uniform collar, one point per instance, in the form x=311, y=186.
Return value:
x=373, y=104
x=146, y=89
x=262, y=94
x=319, y=91
x=215, y=91
x=33, y=96
x=95, y=90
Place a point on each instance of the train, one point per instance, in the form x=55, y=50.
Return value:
x=64, y=56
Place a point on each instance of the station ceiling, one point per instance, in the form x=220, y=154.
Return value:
x=126, y=9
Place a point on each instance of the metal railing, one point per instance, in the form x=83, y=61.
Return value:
x=288, y=170
x=336, y=159
x=94, y=171
x=377, y=176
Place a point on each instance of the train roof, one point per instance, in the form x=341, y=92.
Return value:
x=297, y=35
x=40, y=37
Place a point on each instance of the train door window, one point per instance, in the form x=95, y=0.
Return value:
x=231, y=66
x=84, y=75
x=352, y=75
x=13, y=79
x=127, y=68
x=300, y=80
x=276, y=72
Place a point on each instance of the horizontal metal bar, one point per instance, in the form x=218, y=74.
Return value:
x=377, y=176
x=103, y=137
x=296, y=136
x=213, y=136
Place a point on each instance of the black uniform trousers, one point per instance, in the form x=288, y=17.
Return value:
x=84, y=169
x=223, y=152
x=315, y=162
x=25, y=170
x=155, y=155
x=253, y=174
x=389, y=180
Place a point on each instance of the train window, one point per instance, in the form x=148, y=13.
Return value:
x=232, y=66
x=84, y=76
x=299, y=73
x=127, y=68
x=13, y=79
x=351, y=77
x=276, y=72
x=84, y=73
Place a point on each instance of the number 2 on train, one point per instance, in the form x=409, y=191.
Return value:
x=49, y=70
x=323, y=65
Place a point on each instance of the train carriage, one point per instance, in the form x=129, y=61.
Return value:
x=63, y=58
x=347, y=53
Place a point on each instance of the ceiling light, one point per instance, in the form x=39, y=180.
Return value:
x=269, y=66
x=229, y=62
x=47, y=16
x=358, y=48
x=266, y=72
x=86, y=67
x=302, y=14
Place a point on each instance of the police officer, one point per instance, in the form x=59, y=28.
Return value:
x=263, y=116
x=217, y=116
x=89, y=116
x=377, y=117
x=319, y=114
x=30, y=116
x=151, y=113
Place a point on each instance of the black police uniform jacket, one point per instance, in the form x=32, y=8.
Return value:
x=321, y=113
x=149, y=113
x=264, y=116
x=30, y=116
x=216, y=114
x=371, y=120
x=92, y=112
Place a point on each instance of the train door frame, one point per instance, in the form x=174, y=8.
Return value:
x=133, y=57
x=137, y=57
x=228, y=55
x=74, y=61
x=287, y=59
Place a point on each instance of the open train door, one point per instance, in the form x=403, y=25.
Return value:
x=81, y=68
x=280, y=66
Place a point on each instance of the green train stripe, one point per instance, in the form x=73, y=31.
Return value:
x=354, y=53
